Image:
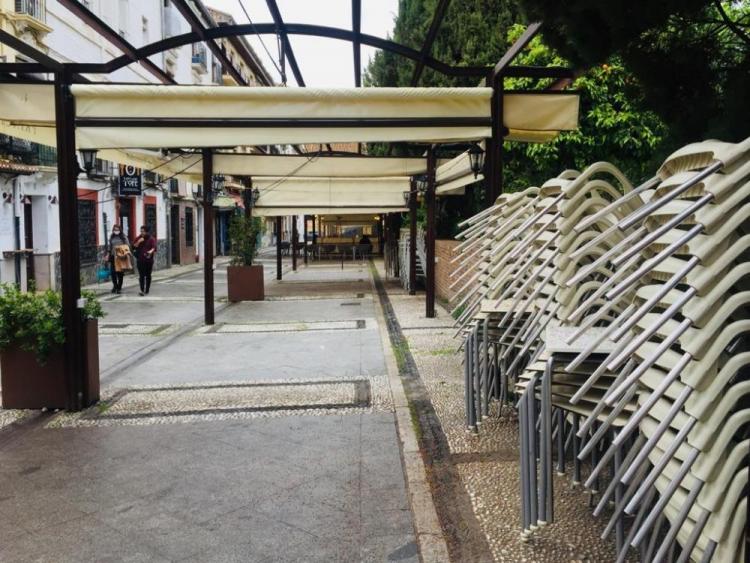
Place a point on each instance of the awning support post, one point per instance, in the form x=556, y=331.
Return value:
x=293, y=245
x=208, y=236
x=278, y=248
x=430, y=234
x=304, y=236
x=72, y=317
x=412, y=237
x=493, y=185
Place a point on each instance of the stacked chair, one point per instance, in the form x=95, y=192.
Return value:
x=621, y=322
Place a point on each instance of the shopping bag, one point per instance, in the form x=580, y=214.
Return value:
x=102, y=273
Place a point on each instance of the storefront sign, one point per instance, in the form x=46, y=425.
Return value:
x=130, y=180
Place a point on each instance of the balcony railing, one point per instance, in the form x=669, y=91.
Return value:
x=33, y=8
x=27, y=152
x=199, y=57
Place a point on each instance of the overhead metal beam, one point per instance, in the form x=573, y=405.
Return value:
x=197, y=26
x=291, y=29
x=279, y=21
x=437, y=19
x=97, y=24
x=356, y=44
x=516, y=48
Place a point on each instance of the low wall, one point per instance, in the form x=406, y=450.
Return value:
x=444, y=252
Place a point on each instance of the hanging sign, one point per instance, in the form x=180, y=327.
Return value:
x=130, y=180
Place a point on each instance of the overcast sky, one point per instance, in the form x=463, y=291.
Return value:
x=323, y=62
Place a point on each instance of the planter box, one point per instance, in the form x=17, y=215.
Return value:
x=28, y=385
x=245, y=283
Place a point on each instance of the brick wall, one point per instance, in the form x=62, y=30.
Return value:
x=443, y=269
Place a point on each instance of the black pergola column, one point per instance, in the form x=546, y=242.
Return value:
x=304, y=236
x=208, y=236
x=74, y=370
x=494, y=155
x=278, y=247
x=293, y=246
x=412, y=237
x=430, y=234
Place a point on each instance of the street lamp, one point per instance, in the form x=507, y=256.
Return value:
x=256, y=195
x=89, y=159
x=421, y=182
x=407, y=197
x=476, y=159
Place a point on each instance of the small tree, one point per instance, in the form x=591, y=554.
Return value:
x=243, y=236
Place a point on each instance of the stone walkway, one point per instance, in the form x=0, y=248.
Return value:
x=269, y=436
x=483, y=468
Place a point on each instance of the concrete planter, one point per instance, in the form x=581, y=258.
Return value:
x=245, y=283
x=27, y=384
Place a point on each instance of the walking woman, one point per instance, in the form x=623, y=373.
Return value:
x=145, y=248
x=118, y=256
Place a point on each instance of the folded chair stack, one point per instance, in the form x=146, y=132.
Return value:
x=618, y=318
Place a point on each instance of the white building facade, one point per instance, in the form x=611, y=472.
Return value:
x=29, y=227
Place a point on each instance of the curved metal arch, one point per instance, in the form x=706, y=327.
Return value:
x=292, y=29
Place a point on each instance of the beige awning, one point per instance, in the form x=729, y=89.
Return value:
x=453, y=175
x=534, y=117
x=269, y=212
x=278, y=196
x=309, y=166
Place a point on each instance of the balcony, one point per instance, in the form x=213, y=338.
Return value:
x=26, y=152
x=199, y=60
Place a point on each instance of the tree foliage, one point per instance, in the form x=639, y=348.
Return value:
x=613, y=124
x=691, y=58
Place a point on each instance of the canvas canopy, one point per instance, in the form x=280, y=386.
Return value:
x=156, y=116
x=452, y=176
x=309, y=165
x=299, y=196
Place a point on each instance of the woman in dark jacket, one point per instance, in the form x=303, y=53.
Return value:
x=145, y=248
x=117, y=238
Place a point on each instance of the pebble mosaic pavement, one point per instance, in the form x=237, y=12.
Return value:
x=487, y=461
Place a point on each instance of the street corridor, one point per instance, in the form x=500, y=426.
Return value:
x=269, y=436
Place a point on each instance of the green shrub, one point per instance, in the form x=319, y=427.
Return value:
x=33, y=320
x=243, y=237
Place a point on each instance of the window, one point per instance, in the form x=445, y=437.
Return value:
x=174, y=186
x=33, y=8
x=149, y=217
x=189, y=226
x=87, y=231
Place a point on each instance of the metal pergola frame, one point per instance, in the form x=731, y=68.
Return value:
x=67, y=74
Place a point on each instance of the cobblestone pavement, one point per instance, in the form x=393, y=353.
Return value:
x=268, y=437
x=487, y=462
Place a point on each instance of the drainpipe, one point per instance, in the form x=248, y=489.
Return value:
x=16, y=233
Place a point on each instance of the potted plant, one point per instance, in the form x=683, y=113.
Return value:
x=31, y=349
x=244, y=279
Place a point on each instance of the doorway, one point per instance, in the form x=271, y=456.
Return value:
x=28, y=241
x=174, y=229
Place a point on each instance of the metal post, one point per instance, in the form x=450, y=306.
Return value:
x=208, y=236
x=293, y=245
x=304, y=237
x=278, y=248
x=67, y=174
x=494, y=157
x=412, y=237
x=430, y=234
